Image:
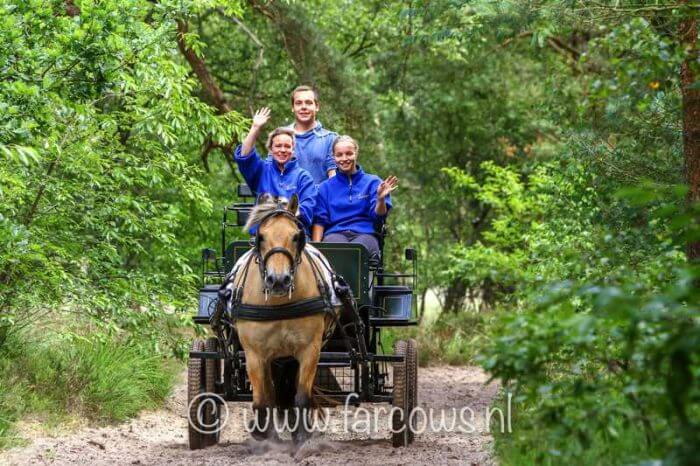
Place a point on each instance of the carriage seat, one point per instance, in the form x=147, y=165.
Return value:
x=243, y=209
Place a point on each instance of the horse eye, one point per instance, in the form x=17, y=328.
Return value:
x=261, y=238
x=295, y=237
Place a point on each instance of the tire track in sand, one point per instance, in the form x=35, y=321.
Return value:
x=160, y=437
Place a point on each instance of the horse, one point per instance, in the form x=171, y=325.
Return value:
x=282, y=308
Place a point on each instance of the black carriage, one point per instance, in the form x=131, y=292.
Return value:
x=352, y=363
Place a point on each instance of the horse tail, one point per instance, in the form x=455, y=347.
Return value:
x=319, y=399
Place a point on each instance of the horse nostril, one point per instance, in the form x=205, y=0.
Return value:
x=269, y=281
x=287, y=280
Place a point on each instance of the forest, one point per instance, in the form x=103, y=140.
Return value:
x=548, y=153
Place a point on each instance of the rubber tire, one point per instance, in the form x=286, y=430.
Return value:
x=412, y=382
x=212, y=374
x=400, y=398
x=195, y=386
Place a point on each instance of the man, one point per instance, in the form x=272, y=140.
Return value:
x=314, y=143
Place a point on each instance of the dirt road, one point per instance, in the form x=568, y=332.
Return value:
x=354, y=436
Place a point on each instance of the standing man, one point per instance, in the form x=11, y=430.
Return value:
x=314, y=143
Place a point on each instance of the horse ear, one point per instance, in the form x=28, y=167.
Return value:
x=265, y=198
x=293, y=204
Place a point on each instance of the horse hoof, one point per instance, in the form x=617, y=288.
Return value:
x=312, y=445
x=259, y=436
x=256, y=433
x=300, y=437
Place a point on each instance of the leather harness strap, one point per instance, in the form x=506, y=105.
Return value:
x=307, y=307
x=303, y=308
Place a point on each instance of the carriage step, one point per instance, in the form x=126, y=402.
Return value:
x=379, y=322
x=327, y=358
x=206, y=355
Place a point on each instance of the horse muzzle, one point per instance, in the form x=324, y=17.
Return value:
x=279, y=284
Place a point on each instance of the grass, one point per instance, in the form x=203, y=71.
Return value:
x=54, y=378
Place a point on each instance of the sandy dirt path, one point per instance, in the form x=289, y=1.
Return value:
x=159, y=437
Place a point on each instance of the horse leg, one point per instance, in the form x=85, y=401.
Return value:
x=284, y=373
x=260, y=377
x=308, y=361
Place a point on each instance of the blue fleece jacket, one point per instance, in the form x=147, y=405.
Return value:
x=348, y=203
x=314, y=150
x=263, y=176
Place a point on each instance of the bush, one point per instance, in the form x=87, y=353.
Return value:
x=531, y=443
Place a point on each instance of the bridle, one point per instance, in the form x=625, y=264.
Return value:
x=293, y=260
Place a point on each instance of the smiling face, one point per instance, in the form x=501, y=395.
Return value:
x=305, y=107
x=345, y=155
x=282, y=148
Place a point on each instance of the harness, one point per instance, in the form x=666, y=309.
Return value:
x=307, y=307
x=260, y=312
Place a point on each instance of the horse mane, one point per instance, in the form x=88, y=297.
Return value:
x=261, y=210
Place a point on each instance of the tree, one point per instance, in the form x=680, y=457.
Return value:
x=688, y=34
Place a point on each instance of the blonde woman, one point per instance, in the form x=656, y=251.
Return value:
x=349, y=204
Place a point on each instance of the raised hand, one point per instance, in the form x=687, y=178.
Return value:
x=387, y=186
x=261, y=117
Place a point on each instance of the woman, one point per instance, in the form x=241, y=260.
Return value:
x=349, y=204
x=278, y=175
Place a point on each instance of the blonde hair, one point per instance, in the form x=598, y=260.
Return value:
x=276, y=132
x=346, y=138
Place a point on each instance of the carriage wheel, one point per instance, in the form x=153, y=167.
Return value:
x=212, y=374
x=195, y=386
x=401, y=398
x=412, y=383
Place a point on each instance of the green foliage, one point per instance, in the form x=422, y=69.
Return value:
x=539, y=147
x=620, y=443
x=100, y=181
x=582, y=259
x=104, y=203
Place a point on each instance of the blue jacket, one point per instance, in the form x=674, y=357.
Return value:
x=347, y=203
x=263, y=176
x=314, y=150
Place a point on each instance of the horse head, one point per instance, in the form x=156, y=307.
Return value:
x=279, y=242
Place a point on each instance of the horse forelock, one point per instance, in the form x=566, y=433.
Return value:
x=260, y=211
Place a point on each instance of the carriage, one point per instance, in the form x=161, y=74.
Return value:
x=353, y=366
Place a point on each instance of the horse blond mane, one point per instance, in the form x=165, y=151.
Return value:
x=262, y=209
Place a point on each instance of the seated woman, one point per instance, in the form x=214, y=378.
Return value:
x=278, y=175
x=349, y=203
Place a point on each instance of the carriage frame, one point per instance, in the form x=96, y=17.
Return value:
x=353, y=366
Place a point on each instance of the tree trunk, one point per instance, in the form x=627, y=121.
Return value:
x=212, y=90
x=212, y=94
x=691, y=118
x=455, y=296
x=421, y=310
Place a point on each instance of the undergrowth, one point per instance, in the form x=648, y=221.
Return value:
x=55, y=377
x=453, y=339
x=532, y=442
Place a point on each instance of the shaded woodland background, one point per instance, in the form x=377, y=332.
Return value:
x=548, y=153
